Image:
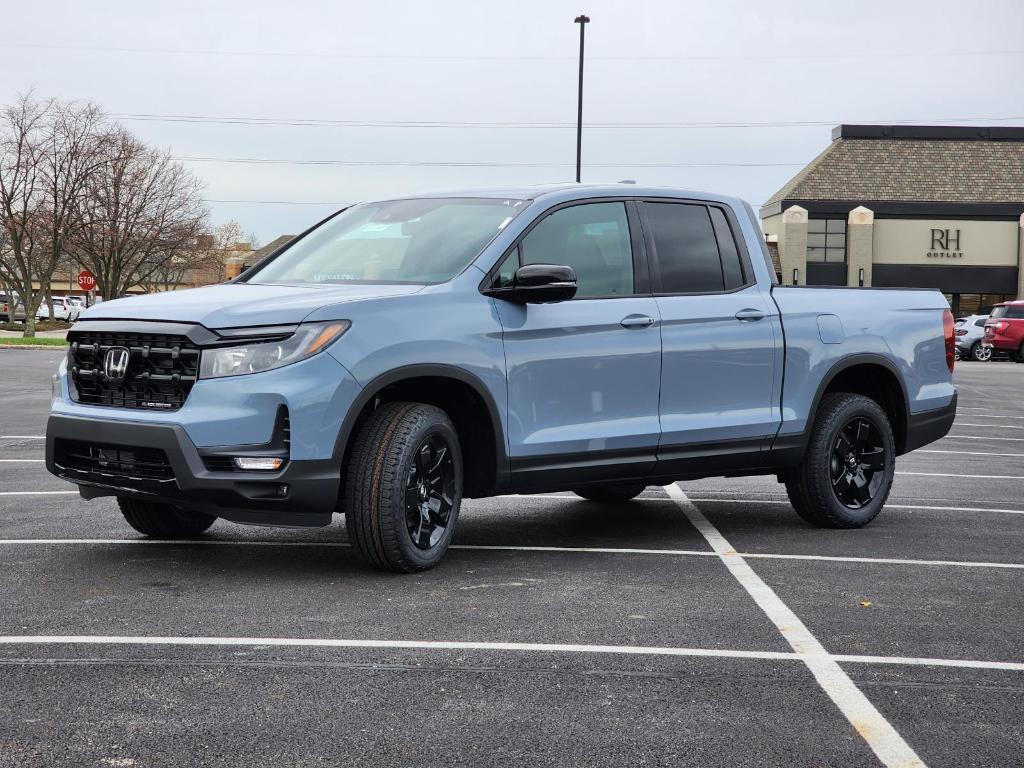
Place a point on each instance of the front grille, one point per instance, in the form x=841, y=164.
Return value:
x=103, y=463
x=162, y=369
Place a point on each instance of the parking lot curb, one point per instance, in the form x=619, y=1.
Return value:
x=30, y=346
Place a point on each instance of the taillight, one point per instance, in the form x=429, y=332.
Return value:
x=961, y=331
x=947, y=326
x=997, y=327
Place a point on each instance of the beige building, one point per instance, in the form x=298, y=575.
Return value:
x=907, y=206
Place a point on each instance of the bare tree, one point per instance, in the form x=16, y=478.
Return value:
x=47, y=152
x=142, y=212
x=21, y=125
x=70, y=153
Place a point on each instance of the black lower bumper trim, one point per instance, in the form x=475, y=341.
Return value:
x=303, y=493
x=929, y=426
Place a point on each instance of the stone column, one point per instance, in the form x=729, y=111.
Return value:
x=1020, y=258
x=860, y=227
x=793, y=245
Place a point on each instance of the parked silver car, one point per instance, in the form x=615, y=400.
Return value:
x=969, y=331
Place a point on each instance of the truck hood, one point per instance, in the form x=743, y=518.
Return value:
x=241, y=304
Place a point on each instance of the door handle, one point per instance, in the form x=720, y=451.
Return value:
x=637, y=321
x=749, y=315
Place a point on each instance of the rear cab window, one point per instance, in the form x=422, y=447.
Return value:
x=694, y=248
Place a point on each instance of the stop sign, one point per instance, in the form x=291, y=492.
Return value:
x=86, y=280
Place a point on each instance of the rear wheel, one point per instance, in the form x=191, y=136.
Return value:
x=981, y=353
x=403, y=487
x=849, y=464
x=610, y=493
x=163, y=521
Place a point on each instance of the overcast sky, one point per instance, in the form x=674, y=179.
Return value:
x=454, y=61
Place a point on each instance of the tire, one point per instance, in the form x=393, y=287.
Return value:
x=403, y=487
x=610, y=493
x=834, y=449
x=981, y=353
x=1019, y=356
x=163, y=521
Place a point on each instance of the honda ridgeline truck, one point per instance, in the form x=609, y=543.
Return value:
x=406, y=354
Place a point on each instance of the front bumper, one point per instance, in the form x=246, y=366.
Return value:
x=302, y=493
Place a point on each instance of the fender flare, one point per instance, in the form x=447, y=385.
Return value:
x=862, y=358
x=415, y=371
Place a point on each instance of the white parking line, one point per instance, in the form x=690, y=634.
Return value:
x=457, y=645
x=990, y=426
x=982, y=437
x=512, y=548
x=37, y=493
x=975, y=477
x=990, y=415
x=970, y=453
x=22, y=461
x=884, y=740
x=22, y=437
x=785, y=502
x=887, y=506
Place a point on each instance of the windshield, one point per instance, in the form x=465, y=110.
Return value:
x=428, y=240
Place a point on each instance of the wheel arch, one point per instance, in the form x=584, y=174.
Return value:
x=873, y=376
x=465, y=399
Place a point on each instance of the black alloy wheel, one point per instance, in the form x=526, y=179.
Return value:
x=848, y=465
x=430, y=492
x=403, y=487
x=857, y=463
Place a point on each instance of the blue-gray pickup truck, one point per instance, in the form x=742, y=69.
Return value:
x=403, y=355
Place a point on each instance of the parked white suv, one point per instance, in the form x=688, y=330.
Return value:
x=969, y=331
x=62, y=310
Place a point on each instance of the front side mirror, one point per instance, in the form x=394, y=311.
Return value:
x=538, y=284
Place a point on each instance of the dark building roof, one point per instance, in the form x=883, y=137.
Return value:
x=268, y=249
x=910, y=170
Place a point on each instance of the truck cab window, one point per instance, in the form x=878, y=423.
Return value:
x=593, y=239
x=732, y=267
x=686, y=250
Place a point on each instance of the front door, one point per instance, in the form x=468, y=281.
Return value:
x=583, y=374
x=721, y=341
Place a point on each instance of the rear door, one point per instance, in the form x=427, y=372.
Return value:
x=583, y=375
x=718, y=334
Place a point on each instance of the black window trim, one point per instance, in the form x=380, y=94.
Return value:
x=641, y=266
x=749, y=279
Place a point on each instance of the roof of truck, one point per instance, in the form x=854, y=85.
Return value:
x=573, y=191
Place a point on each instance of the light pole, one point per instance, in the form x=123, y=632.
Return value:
x=582, y=20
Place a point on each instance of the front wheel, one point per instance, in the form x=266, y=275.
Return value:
x=981, y=353
x=403, y=487
x=163, y=521
x=849, y=465
x=611, y=493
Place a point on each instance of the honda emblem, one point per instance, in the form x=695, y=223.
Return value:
x=115, y=364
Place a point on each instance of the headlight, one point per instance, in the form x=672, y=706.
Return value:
x=307, y=340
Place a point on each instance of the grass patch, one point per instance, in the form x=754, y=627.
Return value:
x=41, y=325
x=21, y=341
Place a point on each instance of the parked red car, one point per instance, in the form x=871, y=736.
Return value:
x=1004, y=330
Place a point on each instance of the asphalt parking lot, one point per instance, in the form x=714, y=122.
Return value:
x=556, y=632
